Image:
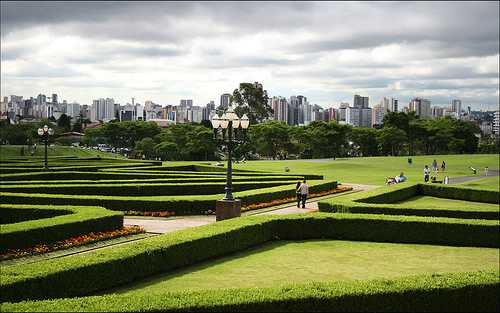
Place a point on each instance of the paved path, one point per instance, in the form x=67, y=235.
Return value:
x=167, y=225
x=461, y=179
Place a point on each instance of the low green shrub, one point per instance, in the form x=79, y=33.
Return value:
x=450, y=292
x=9, y=215
x=181, y=205
x=101, y=270
x=136, y=189
x=382, y=201
x=73, y=221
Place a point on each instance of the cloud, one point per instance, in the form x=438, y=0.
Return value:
x=200, y=50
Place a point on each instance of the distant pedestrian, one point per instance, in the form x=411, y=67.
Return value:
x=473, y=170
x=427, y=172
x=410, y=161
x=435, y=167
x=297, y=191
x=443, y=166
x=304, y=190
x=446, y=180
x=486, y=171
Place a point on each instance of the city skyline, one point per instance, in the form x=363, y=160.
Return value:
x=328, y=51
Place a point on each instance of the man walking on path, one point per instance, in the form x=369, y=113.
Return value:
x=443, y=166
x=304, y=190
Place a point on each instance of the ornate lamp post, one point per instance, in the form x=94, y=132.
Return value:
x=229, y=130
x=45, y=132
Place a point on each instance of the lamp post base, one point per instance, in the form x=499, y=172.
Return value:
x=226, y=209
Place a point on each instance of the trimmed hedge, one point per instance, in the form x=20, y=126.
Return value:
x=101, y=270
x=152, y=180
x=9, y=215
x=181, y=205
x=451, y=292
x=74, y=221
x=136, y=189
x=382, y=201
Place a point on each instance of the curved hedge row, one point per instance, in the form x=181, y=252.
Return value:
x=381, y=201
x=453, y=292
x=73, y=221
x=101, y=270
x=137, y=189
x=195, y=204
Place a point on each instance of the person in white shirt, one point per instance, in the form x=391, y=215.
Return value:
x=427, y=172
x=303, y=190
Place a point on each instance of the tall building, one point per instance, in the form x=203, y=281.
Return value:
x=128, y=112
x=208, y=111
x=456, y=106
x=360, y=115
x=73, y=109
x=394, y=105
x=378, y=113
x=360, y=102
x=103, y=110
x=341, y=114
x=187, y=104
x=224, y=101
x=437, y=112
x=293, y=111
x=421, y=107
x=280, y=108
x=496, y=123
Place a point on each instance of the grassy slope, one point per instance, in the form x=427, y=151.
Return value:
x=281, y=263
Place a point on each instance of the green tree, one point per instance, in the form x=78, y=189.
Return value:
x=391, y=139
x=252, y=101
x=64, y=122
x=146, y=146
x=365, y=141
x=270, y=139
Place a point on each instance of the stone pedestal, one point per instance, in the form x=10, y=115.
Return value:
x=225, y=209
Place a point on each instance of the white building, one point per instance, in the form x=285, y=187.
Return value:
x=73, y=109
x=422, y=107
x=496, y=123
x=378, y=113
x=102, y=110
x=456, y=106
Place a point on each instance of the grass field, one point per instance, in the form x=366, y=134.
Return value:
x=14, y=151
x=373, y=170
x=429, y=202
x=282, y=263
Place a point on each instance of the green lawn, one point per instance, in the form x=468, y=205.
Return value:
x=429, y=202
x=286, y=262
x=14, y=151
x=373, y=170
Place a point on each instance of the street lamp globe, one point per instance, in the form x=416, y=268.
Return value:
x=244, y=121
x=45, y=128
x=40, y=131
x=224, y=121
x=215, y=121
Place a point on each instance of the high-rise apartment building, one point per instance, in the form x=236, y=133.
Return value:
x=187, y=104
x=421, y=107
x=360, y=115
x=73, y=109
x=224, y=101
x=103, y=110
x=378, y=113
x=456, y=106
x=280, y=108
x=496, y=123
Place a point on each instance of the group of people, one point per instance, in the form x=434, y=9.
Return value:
x=435, y=169
x=395, y=180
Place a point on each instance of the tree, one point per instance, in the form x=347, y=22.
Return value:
x=252, y=101
x=64, y=122
x=365, y=141
x=391, y=139
x=146, y=147
x=270, y=139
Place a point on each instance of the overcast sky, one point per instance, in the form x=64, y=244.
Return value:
x=326, y=51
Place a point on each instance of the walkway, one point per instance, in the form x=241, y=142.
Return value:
x=461, y=179
x=160, y=225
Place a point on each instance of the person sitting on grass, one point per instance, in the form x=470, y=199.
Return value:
x=398, y=179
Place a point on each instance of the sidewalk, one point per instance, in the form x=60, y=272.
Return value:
x=160, y=225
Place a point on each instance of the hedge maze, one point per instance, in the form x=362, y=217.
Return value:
x=80, y=195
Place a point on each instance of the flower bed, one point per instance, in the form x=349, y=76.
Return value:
x=71, y=242
x=262, y=205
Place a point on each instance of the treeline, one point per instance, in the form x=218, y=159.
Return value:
x=402, y=134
